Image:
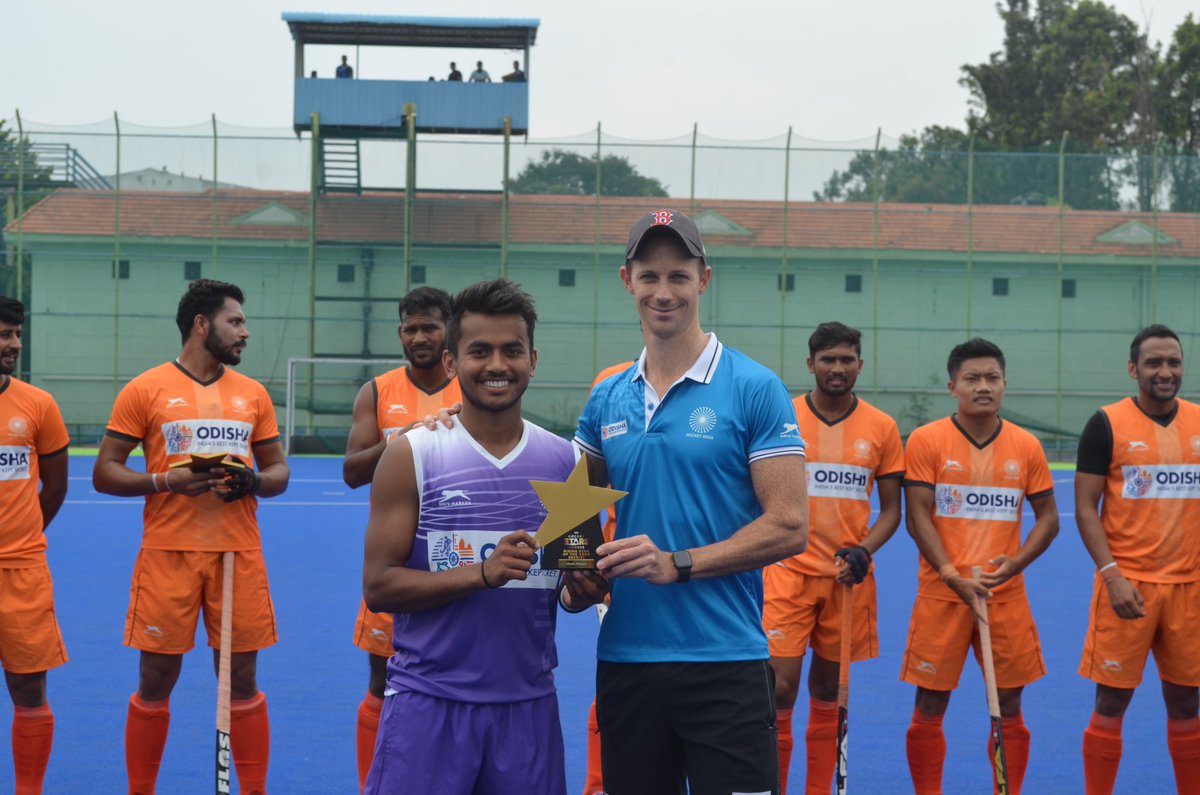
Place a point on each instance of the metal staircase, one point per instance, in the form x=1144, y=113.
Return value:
x=341, y=166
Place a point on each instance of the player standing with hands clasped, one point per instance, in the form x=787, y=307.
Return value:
x=196, y=405
x=1137, y=501
x=33, y=452
x=704, y=440
x=851, y=448
x=967, y=478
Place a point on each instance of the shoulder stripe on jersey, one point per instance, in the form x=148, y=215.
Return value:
x=122, y=436
x=775, y=453
x=59, y=451
x=592, y=451
x=1040, y=495
x=272, y=440
x=918, y=483
x=891, y=475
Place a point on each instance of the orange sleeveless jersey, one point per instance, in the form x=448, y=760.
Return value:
x=1151, y=505
x=399, y=402
x=173, y=415
x=31, y=427
x=978, y=492
x=842, y=461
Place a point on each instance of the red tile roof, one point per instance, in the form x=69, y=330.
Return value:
x=475, y=219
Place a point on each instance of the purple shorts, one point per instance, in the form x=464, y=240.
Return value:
x=428, y=745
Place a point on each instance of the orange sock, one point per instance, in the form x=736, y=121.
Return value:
x=368, y=729
x=821, y=741
x=594, y=783
x=1016, y=752
x=926, y=745
x=250, y=740
x=1101, y=754
x=32, y=736
x=1183, y=741
x=145, y=735
x=784, y=742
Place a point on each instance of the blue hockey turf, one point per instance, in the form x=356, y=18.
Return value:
x=315, y=678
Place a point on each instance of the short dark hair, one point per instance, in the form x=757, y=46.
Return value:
x=974, y=348
x=495, y=297
x=1156, y=330
x=424, y=301
x=12, y=311
x=204, y=297
x=832, y=334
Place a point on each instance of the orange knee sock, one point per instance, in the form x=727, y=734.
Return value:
x=145, y=735
x=368, y=729
x=1101, y=754
x=1183, y=741
x=594, y=783
x=250, y=740
x=785, y=743
x=821, y=742
x=926, y=746
x=1016, y=752
x=32, y=736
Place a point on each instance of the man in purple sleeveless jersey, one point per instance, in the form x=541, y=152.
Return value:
x=470, y=705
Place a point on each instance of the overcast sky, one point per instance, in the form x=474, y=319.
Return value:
x=834, y=71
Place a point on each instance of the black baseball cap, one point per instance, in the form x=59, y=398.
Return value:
x=677, y=222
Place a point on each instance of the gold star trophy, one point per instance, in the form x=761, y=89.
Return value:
x=571, y=530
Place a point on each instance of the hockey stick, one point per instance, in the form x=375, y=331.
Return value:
x=844, y=688
x=224, y=754
x=999, y=763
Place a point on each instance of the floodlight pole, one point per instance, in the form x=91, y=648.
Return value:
x=596, y=265
x=504, y=202
x=214, y=199
x=313, y=190
x=970, y=229
x=21, y=209
x=1062, y=203
x=875, y=267
x=117, y=263
x=410, y=187
x=783, y=259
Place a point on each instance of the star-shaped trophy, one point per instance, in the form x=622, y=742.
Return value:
x=571, y=530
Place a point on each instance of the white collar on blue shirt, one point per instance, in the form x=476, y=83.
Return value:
x=701, y=371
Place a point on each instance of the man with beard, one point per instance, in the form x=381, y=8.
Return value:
x=1137, y=501
x=851, y=447
x=33, y=446
x=471, y=705
x=195, y=405
x=385, y=408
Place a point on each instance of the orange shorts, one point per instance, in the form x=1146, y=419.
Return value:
x=169, y=587
x=1114, y=653
x=940, y=631
x=30, y=640
x=373, y=632
x=799, y=608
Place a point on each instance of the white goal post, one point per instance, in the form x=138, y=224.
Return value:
x=290, y=400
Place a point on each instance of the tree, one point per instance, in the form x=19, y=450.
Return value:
x=1177, y=108
x=931, y=167
x=565, y=173
x=16, y=157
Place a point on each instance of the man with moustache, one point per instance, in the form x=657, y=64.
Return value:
x=1137, y=501
x=197, y=405
x=851, y=448
x=387, y=407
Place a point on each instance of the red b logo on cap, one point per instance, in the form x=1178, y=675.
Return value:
x=662, y=217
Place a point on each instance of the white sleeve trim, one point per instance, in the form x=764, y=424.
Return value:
x=587, y=448
x=776, y=452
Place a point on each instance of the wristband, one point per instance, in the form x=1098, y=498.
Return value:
x=154, y=482
x=483, y=574
x=947, y=571
x=1110, y=572
x=562, y=602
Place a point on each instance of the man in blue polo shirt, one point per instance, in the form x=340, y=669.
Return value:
x=705, y=442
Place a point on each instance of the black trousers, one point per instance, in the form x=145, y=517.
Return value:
x=711, y=725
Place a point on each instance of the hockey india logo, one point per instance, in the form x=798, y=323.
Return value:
x=239, y=402
x=862, y=448
x=1196, y=445
x=702, y=420
x=17, y=425
x=1012, y=470
x=949, y=500
x=1138, y=482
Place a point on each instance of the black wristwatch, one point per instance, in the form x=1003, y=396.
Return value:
x=683, y=564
